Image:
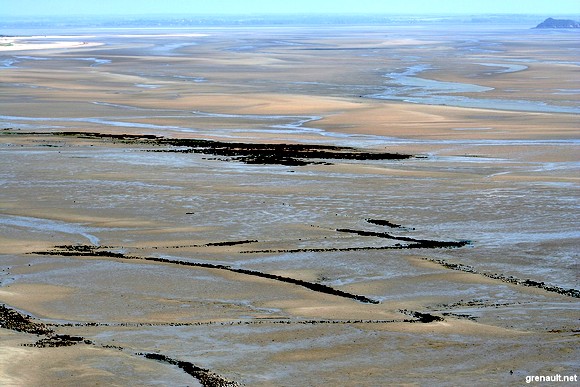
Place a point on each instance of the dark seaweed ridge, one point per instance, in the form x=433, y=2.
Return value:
x=249, y=153
x=232, y=243
x=509, y=279
x=15, y=321
x=380, y=222
x=418, y=243
x=58, y=341
x=308, y=285
x=11, y=319
x=425, y=318
x=397, y=246
x=475, y=303
x=232, y=322
x=210, y=244
x=91, y=251
x=205, y=376
x=284, y=154
x=81, y=251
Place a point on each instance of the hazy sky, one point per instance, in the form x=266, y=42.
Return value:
x=140, y=7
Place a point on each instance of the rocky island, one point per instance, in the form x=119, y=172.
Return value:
x=558, y=23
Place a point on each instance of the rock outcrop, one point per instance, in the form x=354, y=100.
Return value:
x=558, y=23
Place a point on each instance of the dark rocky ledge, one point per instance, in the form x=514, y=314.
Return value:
x=11, y=319
x=205, y=376
x=59, y=341
x=381, y=222
x=417, y=243
x=93, y=251
x=249, y=153
x=309, y=285
x=256, y=321
x=509, y=279
x=15, y=321
x=232, y=243
x=284, y=154
x=424, y=318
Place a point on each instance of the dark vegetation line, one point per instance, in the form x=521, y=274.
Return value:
x=425, y=318
x=233, y=243
x=81, y=250
x=426, y=243
x=419, y=243
x=284, y=154
x=91, y=251
x=205, y=376
x=308, y=285
x=380, y=222
x=211, y=379
x=249, y=153
x=475, y=303
x=211, y=244
x=329, y=249
x=396, y=246
x=58, y=341
x=13, y=320
x=416, y=243
x=261, y=321
x=509, y=279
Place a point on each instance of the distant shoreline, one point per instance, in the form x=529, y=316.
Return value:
x=232, y=20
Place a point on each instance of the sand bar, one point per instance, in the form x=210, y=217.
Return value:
x=33, y=43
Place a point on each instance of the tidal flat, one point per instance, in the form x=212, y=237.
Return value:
x=338, y=205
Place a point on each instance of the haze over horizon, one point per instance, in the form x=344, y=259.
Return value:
x=64, y=8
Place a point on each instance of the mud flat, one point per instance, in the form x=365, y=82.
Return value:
x=290, y=206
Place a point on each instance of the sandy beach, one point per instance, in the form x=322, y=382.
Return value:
x=278, y=206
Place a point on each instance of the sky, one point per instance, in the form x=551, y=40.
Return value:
x=12, y=8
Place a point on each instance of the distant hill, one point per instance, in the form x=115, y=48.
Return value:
x=558, y=23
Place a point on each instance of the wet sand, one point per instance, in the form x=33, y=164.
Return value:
x=146, y=222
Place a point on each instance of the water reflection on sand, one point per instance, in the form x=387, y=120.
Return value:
x=408, y=86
